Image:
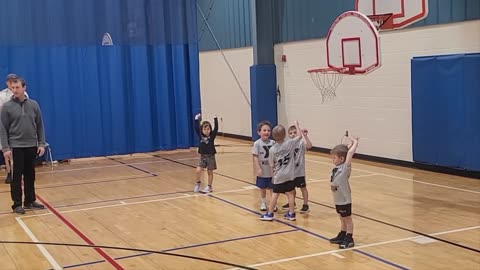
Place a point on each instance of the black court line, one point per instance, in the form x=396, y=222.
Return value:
x=183, y=248
x=359, y=215
x=113, y=200
x=191, y=166
x=87, y=183
x=124, y=198
x=401, y=228
x=131, y=166
x=128, y=249
x=312, y=233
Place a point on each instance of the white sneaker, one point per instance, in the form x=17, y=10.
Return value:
x=207, y=189
x=197, y=187
x=263, y=206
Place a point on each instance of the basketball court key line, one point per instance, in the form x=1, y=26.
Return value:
x=359, y=247
x=402, y=178
x=311, y=233
x=183, y=248
x=42, y=249
x=186, y=195
x=80, y=234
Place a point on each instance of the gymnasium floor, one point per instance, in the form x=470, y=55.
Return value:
x=404, y=218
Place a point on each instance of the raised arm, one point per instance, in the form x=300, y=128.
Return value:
x=307, y=139
x=299, y=131
x=215, y=125
x=351, y=151
x=197, y=125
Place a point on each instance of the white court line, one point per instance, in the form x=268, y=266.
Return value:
x=106, y=180
x=192, y=158
x=102, y=167
x=357, y=247
x=120, y=165
x=184, y=196
x=166, y=199
x=219, y=156
x=431, y=184
x=42, y=249
x=405, y=179
x=338, y=255
x=355, y=176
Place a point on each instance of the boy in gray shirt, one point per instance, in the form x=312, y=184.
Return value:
x=299, y=157
x=283, y=165
x=342, y=158
x=260, y=152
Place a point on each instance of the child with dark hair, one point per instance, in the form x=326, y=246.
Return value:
x=207, y=152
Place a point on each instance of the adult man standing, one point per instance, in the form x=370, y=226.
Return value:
x=23, y=137
x=5, y=95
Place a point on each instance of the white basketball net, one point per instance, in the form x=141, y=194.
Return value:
x=327, y=81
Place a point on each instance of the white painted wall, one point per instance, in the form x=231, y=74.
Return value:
x=220, y=92
x=376, y=107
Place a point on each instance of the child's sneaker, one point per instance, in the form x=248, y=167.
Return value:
x=263, y=206
x=197, y=187
x=347, y=243
x=290, y=216
x=287, y=206
x=207, y=189
x=267, y=217
x=305, y=209
x=339, y=238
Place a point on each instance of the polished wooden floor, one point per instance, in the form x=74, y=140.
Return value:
x=404, y=218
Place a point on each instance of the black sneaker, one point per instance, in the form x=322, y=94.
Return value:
x=34, y=205
x=347, y=243
x=287, y=206
x=8, y=180
x=305, y=209
x=19, y=210
x=339, y=238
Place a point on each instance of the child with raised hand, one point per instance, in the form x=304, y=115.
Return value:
x=342, y=195
x=207, y=152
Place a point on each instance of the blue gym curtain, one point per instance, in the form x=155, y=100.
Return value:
x=138, y=95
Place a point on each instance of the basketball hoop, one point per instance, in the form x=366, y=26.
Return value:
x=327, y=79
x=382, y=21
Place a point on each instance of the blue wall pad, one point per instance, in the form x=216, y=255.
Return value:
x=445, y=110
x=263, y=85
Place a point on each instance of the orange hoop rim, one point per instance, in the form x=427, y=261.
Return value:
x=344, y=70
x=326, y=69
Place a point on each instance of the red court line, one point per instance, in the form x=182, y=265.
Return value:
x=79, y=233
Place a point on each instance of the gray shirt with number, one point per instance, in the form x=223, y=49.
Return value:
x=282, y=160
x=339, y=184
x=261, y=150
x=300, y=159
